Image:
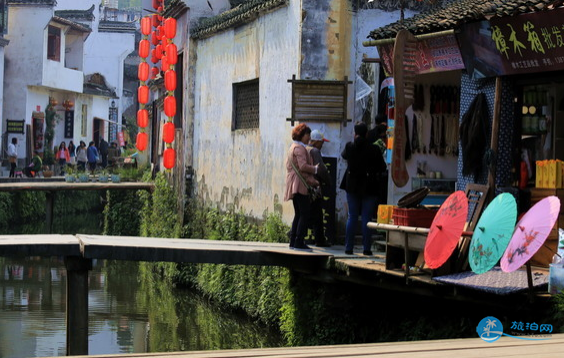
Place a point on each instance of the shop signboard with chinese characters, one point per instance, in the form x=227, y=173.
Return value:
x=69, y=124
x=14, y=126
x=435, y=54
x=526, y=43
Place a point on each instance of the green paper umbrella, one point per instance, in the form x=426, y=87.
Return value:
x=493, y=233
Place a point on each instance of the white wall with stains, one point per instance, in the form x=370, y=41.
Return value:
x=244, y=169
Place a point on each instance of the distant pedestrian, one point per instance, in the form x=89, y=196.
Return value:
x=13, y=156
x=299, y=166
x=72, y=153
x=81, y=156
x=361, y=182
x=103, y=150
x=34, y=167
x=314, y=148
x=92, y=154
x=62, y=156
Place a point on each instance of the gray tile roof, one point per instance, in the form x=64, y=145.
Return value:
x=243, y=13
x=458, y=12
x=116, y=26
x=84, y=15
x=30, y=2
x=74, y=25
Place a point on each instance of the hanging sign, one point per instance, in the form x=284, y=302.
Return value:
x=437, y=54
x=69, y=124
x=526, y=43
x=120, y=139
x=13, y=126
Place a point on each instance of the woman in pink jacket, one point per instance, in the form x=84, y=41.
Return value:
x=296, y=189
x=63, y=156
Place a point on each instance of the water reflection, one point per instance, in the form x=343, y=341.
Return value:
x=125, y=315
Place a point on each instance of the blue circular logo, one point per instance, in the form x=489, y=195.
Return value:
x=490, y=329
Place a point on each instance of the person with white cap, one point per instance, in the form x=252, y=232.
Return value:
x=314, y=148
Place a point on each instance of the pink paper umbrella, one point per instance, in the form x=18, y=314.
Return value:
x=530, y=233
x=446, y=229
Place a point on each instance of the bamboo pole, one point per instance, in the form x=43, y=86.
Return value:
x=495, y=137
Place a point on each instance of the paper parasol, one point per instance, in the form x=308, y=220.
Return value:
x=492, y=233
x=530, y=233
x=446, y=229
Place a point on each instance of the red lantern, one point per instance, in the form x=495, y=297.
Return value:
x=154, y=72
x=155, y=20
x=159, y=51
x=144, y=47
x=160, y=32
x=169, y=158
x=168, y=132
x=142, y=140
x=142, y=118
x=164, y=64
x=160, y=10
x=170, y=28
x=143, y=94
x=146, y=25
x=170, y=80
x=143, y=71
x=171, y=54
x=156, y=4
x=154, y=38
x=170, y=106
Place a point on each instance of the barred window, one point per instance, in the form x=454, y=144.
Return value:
x=245, y=105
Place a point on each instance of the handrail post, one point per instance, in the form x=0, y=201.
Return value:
x=77, y=304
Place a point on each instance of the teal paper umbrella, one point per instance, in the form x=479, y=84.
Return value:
x=493, y=233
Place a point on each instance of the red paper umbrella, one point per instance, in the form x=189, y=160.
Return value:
x=146, y=25
x=530, y=233
x=170, y=106
x=144, y=47
x=169, y=158
x=170, y=28
x=170, y=80
x=143, y=94
x=172, y=54
x=446, y=229
x=168, y=132
x=143, y=71
x=142, y=118
x=142, y=140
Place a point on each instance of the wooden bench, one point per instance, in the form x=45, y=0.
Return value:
x=402, y=241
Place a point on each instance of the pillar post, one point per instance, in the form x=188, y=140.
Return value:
x=77, y=304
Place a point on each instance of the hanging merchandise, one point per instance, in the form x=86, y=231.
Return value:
x=473, y=136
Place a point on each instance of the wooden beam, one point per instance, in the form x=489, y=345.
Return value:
x=77, y=304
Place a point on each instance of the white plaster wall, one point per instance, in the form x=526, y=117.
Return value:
x=23, y=57
x=245, y=169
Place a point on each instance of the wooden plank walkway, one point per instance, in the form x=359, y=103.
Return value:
x=460, y=348
x=62, y=185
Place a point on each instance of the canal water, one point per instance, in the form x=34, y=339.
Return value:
x=125, y=314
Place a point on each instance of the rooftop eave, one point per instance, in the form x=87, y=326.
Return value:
x=73, y=25
x=240, y=15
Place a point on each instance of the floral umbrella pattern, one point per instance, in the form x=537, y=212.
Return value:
x=493, y=233
x=446, y=229
x=530, y=233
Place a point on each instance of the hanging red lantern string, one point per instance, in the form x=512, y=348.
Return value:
x=146, y=25
x=142, y=118
x=154, y=72
x=170, y=106
x=159, y=51
x=144, y=48
x=143, y=94
x=168, y=132
x=155, y=20
x=156, y=4
x=171, y=54
x=169, y=158
x=164, y=64
x=170, y=28
x=170, y=80
x=143, y=71
x=142, y=140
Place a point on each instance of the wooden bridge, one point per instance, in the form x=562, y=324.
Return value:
x=326, y=264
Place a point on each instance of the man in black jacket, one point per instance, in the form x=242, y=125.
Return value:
x=314, y=148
